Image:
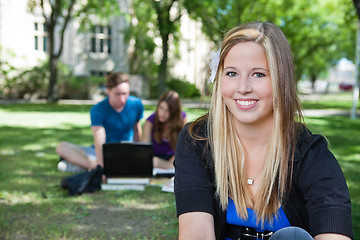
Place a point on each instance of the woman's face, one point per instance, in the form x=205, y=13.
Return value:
x=246, y=84
x=163, y=112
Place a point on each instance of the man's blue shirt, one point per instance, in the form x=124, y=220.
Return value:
x=118, y=126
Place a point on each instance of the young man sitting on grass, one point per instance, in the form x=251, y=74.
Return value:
x=114, y=119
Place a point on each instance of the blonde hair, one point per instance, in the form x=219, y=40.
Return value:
x=227, y=150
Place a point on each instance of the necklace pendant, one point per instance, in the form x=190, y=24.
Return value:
x=250, y=181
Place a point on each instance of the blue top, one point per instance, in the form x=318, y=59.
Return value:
x=119, y=126
x=231, y=217
x=164, y=147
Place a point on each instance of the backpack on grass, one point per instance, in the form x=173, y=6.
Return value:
x=83, y=182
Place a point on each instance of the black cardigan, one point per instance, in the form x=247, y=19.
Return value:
x=319, y=201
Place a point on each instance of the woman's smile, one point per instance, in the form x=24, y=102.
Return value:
x=246, y=103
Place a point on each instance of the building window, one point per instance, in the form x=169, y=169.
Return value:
x=36, y=39
x=101, y=39
x=40, y=37
x=99, y=73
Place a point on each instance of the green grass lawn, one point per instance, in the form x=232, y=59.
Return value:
x=33, y=206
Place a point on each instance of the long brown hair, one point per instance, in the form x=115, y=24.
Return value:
x=227, y=150
x=175, y=122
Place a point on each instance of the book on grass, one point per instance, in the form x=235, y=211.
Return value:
x=143, y=181
x=160, y=172
x=110, y=187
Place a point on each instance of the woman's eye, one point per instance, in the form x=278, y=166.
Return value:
x=231, y=74
x=259, y=75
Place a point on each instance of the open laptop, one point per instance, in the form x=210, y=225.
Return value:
x=128, y=160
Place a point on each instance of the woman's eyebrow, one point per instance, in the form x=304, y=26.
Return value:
x=260, y=68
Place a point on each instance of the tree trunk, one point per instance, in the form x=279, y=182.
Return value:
x=313, y=80
x=163, y=65
x=52, y=91
x=357, y=80
x=53, y=63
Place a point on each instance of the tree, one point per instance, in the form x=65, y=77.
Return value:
x=357, y=62
x=167, y=24
x=154, y=19
x=318, y=31
x=57, y=15
x=141, y=38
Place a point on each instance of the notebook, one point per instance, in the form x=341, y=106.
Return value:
x=127, y=160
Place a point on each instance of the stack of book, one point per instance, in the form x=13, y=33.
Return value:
x=138, y=184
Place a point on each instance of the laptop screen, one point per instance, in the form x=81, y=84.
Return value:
x=128, y=159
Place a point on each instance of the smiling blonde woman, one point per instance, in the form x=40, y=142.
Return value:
x=250, y=169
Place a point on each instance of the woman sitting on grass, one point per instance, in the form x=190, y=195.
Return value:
x=249, y=169
x=163, y=127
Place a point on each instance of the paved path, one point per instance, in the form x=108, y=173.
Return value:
x=327, y=112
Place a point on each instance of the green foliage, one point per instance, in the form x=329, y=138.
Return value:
x=27, y=84
x=77, y=87
x=184, y=88
x=152, y=20
x=94, y=12
x=32, y=83
x=5, y=67
x=140, y=34
x=6, y=71
x=320, y=32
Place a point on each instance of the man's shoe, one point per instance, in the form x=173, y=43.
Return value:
x=64, y=166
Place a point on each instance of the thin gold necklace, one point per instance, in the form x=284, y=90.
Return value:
x=250, y=181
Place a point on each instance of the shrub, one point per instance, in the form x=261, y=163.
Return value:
x=30, y=83
x=79, y=87
x=185, y=89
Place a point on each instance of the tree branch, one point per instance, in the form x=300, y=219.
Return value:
x=62, y=31
x=357, y=7
x=43, y=11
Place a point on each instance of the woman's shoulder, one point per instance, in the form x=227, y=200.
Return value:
x=183, y=114
x=197, y=129
x=307, y=140
x=151, y=118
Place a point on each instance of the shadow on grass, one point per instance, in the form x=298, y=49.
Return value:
x=100, y=215
x=33, y=205
x=28, y=157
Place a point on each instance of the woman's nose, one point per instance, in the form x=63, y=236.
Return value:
x=244, y=85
